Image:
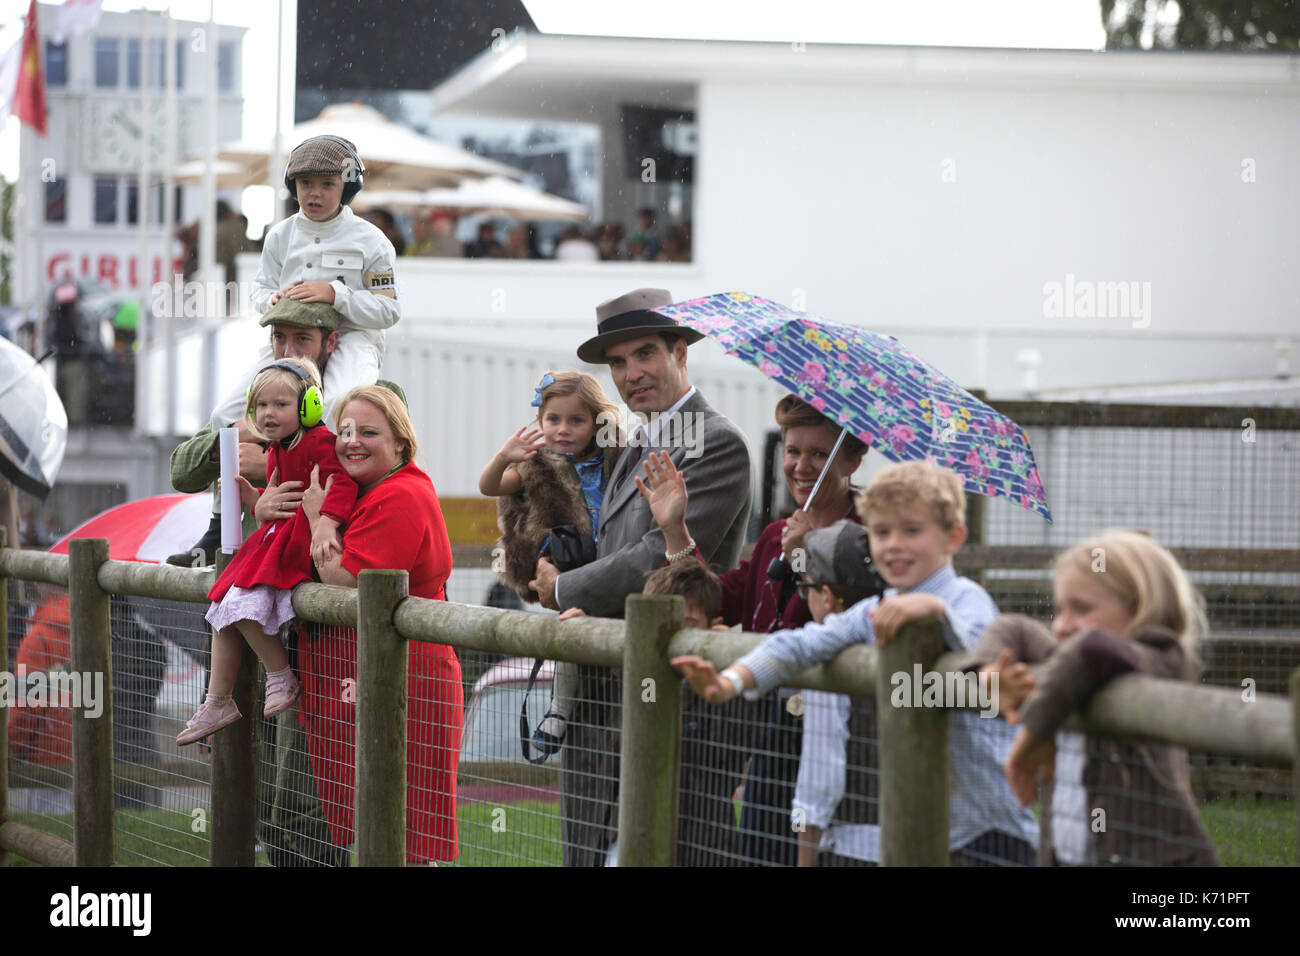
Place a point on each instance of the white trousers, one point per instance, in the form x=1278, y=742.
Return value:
x=353, y=363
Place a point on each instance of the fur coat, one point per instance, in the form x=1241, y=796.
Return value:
x=552, y=496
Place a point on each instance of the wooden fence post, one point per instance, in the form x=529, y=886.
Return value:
x=234, y=768
x=914, y=772
x=4, y=711
x=650, y=750
x=92, y=737
x=381, y=720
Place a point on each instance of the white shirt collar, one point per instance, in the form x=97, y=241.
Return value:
x=656, y=421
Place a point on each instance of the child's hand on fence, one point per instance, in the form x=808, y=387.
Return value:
x=1028, y=755
x=666, y=492
x=888, y=617
x=571, y=613
x=522, y=445
x=1014, y=684
x=703, y=678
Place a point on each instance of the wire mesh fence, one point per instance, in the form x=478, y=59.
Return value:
x=755, y=777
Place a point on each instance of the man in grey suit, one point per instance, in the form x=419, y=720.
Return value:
x=646, y=355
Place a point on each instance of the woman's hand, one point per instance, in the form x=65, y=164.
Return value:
x=522, y=445
x=1014, y=684
x=278, y=501
x=796, y=526
x=314, y=497
x=1029, y=755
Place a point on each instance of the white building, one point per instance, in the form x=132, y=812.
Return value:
x=962, y=200
x=89, y=167
x=93, y=86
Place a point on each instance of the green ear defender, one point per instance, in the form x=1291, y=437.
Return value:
x=311, y=404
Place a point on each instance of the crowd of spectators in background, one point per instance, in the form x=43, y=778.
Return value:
x=434, y=234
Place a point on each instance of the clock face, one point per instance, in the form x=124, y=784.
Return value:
x=117, y=133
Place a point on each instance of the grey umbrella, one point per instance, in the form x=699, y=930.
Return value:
x=33, y=424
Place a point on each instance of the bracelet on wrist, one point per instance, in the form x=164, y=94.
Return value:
x=686, y=552
x=734, y=678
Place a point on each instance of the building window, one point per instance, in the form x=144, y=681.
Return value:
x=56, y=64
x=157, y=63
x=133, y=64
x=56, y=201
x=155, y=203
x=106, y=65
x=105, y=200
x=226, y=67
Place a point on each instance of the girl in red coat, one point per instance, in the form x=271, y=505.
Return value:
x=252, y=598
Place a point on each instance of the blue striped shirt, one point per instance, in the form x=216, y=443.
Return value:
x=978, y=746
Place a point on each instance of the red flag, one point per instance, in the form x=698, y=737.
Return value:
x=29, y=94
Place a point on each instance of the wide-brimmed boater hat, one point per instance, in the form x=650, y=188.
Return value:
x=630, y=316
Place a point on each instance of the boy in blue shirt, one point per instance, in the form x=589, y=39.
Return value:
x=915, y=515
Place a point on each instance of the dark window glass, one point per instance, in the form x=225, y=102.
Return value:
x=106, y=200
x=226, y=67
x=106, y=61
x=56, y=64
x=155, y=203
x=133, y=64
x=56, y=201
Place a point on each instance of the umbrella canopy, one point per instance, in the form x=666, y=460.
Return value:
x=395, y=156
x=494, y=196
x=875, y=389
x=146, y=530
x=230, y=174
x=33, y=424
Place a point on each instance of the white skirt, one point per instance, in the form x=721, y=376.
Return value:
x=270, y=607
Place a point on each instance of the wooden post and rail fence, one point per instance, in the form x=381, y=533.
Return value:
x=913, y=742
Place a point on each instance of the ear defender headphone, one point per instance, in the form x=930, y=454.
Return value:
x=352, y=179
x=311, y=405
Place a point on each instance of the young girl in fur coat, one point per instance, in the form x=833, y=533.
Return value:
x=546, y=476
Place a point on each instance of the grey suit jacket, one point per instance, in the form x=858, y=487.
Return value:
x=630, y=542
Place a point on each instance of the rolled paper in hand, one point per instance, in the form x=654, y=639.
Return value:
x=232, y=530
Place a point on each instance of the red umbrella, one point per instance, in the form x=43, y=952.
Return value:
x=147, y=530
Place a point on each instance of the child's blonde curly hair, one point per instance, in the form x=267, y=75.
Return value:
x=901, y=485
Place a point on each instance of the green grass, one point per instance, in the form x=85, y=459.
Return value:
x=1249, y=832
x=520, y=834
x=1246, y=832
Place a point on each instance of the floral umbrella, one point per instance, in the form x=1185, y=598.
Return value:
x=875, y=389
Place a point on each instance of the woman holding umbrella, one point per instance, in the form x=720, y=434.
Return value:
x=759, y=594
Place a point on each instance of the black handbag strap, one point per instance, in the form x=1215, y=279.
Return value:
x=525, y=734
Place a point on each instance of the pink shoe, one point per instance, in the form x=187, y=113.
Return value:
x=281, y=693
x=214, y=714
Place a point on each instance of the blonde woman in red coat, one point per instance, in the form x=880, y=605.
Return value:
x=252, y=597
x=397, y=524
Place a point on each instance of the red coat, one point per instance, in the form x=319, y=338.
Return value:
x=279, y=553
x=397, y=524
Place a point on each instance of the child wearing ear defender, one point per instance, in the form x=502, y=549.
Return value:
x=252, y=597
x=326, y=253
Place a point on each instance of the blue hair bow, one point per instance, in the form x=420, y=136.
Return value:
x=547, y=379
